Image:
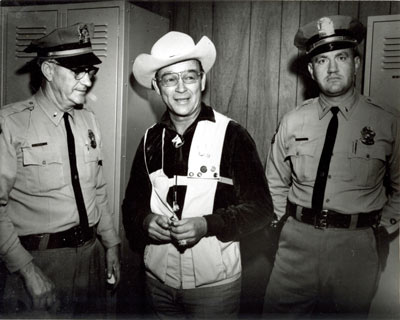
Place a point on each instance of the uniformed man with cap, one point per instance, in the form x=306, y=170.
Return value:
x=325, y=170
x=53, y=200
x=196, y=188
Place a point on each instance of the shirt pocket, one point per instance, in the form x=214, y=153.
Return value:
x=43, y=168
x=303, y=160
x=92, y=160
x=367, y=164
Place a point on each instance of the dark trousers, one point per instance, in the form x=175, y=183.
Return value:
x=322, y=271
x=79, y=278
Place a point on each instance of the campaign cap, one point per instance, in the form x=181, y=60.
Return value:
x=70, y=46
x=329, y=34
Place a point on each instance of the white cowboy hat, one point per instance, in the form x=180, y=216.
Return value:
x=171, y=48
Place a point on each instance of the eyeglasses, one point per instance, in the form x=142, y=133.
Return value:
x=171, y=79
x=79, y=72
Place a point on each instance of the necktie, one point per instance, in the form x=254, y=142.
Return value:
x=83, y=219
x=324, y=162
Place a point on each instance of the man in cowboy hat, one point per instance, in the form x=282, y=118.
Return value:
x=53, y=200
x=197, y=186
x=326, y=170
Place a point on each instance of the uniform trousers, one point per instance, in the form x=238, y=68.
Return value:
x=216, y=302
x=79, y=278
x=322, y=272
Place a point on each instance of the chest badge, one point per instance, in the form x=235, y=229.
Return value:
x=92, y=139
x=367, y=136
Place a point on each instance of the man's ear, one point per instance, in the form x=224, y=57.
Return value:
x=155, y=86
x=357, y=64
x=48, y=70
x=311, y=69
x=203, y=81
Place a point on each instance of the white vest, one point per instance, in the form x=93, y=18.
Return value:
x=210, y=261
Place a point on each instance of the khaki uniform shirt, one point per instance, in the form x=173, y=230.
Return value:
x=366, y=147
x=36, y=194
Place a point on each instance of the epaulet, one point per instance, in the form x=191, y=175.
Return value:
x=382, y=105
x=306, y=103
x=17, y=107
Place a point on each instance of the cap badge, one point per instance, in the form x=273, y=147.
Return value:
x=92, y=139
x=83, y=33
x=367, y=136
x=325, y=27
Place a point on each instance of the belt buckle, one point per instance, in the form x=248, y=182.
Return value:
x=78, y=233
x=321, y=219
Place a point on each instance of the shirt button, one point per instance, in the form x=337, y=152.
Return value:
x=393, y=221
x=327, y=200
x=367, y=156
x=44, y=162
x=329, y=176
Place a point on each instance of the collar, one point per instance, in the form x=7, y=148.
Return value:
x=346, y=107
x=49, y=108
x=206, y=114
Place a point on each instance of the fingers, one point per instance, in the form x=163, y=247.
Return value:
x=158, y=228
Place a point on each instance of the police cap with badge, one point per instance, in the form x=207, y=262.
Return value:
x=329, y=34
x=70, y=46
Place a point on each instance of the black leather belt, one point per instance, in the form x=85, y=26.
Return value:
x=72, y=238
x=333, y=219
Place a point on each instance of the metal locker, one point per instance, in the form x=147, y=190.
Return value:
x=382, y=83
x=382, y=61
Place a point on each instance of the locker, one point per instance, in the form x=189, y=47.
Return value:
x=382, y=61
x=382, y=83
x=124, y=110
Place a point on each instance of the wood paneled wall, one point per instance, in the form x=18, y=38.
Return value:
x=258, y=75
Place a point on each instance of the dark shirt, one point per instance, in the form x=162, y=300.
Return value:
x=239, y=209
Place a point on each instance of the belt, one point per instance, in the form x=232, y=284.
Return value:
x=71, y=238
x=333, y=219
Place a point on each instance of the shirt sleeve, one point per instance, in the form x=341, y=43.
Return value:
x=136, y=204
x=278, y=171
x=11, y=251
x=105, y=228
x=391, y=211
x=253, y=208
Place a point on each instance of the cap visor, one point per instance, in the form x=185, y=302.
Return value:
x=87, y=59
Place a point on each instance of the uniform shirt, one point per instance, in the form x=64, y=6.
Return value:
x=238, y=210
x=366, y=147
x=36, y=194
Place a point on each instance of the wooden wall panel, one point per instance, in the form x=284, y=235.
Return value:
x=231, y=33
x=181, y=17
x=264, y=72
x=288, y=79
x=201, y=24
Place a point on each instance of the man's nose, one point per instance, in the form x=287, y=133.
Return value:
x=332, y=66
x=180, y=87
x=86, y=80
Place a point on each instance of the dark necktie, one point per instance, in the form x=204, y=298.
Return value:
x=83, y=219
x=323, y=167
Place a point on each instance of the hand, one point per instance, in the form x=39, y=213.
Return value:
x=187, y=232
x=39, y=286
x=113, y=264
x=157, y=227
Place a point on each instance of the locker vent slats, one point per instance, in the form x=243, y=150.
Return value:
x=99, y=40
x=24, y=36
x=391, y=53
